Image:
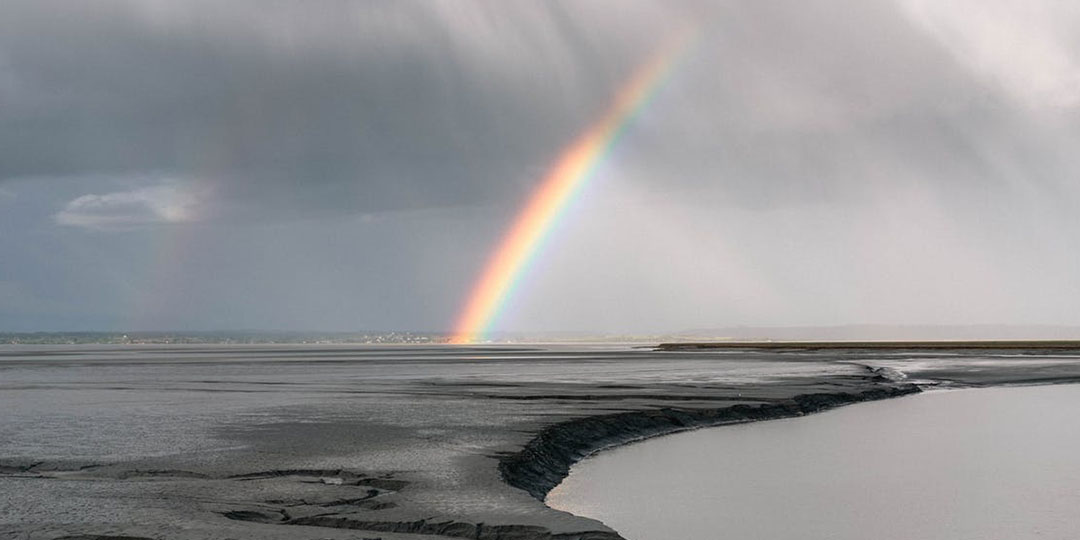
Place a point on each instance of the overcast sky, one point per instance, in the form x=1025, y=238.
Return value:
x=349, y=165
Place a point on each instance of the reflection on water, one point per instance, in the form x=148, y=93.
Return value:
x=972, y=464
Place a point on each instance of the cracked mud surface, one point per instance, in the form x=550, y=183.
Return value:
x=394, y=443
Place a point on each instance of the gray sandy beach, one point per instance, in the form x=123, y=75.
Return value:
x=394, y=442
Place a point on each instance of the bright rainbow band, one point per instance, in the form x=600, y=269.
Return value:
x=570, y=173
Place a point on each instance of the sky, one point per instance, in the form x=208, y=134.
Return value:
x=351, y=165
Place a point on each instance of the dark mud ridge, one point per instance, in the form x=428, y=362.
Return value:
x=456, y=529
x=449, y=528
x=1030, y=345
x=546, y=460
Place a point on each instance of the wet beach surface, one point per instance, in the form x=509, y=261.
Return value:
x=372, y=442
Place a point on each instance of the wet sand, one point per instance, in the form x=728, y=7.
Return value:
x=391, y=442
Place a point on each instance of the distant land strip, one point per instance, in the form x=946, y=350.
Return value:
x=780, y=345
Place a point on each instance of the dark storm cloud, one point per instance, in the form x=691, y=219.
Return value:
x=811, y=162
x=310, y=107
x=282, y=108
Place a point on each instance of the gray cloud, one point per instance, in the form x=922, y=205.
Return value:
x=813, y=163
x=164, y=203
x=344, y=106
x=290, y=109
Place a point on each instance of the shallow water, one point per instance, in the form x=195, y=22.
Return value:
x=1000, y=463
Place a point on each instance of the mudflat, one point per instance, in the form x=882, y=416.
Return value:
x=394, y=442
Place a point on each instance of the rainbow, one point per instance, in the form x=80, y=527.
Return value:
x=573, y=169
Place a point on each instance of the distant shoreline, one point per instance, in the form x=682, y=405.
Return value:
x=909, y=345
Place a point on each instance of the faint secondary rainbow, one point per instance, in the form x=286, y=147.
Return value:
x=573, y=169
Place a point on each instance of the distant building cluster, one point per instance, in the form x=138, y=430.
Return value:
x=215, y=338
